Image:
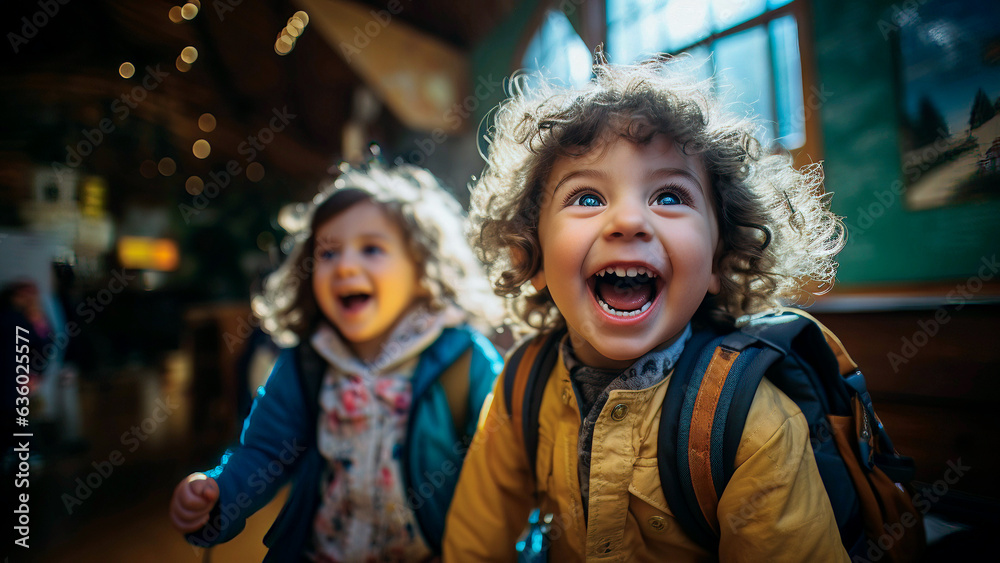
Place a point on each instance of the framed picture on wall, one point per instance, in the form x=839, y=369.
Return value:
x=948, y=72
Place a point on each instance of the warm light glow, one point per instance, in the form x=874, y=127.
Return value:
x=146, y=253
x=302, y=17
x=255, y=172
x=175, y=14
x=293, y=30
x=147, y=169
x=189, y=54
x=182, y=66
x=126, y=70
x=167, y=166
x=283, y=45
x=194, y=185
x=189, y=11
x=206, y=122
x=201, y=148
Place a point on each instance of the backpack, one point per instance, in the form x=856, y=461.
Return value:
x=705, y=409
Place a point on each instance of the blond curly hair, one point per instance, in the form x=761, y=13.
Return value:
x=776, y=231
x=433, y=225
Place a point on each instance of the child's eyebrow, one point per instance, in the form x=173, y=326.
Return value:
x=588, y=173
x=660, y=173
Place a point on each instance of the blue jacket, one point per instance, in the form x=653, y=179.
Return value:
x=278, y=443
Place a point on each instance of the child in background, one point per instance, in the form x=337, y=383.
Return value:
x=638, y=212
x=371, y=413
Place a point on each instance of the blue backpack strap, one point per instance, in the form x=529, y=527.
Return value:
x=433, y=362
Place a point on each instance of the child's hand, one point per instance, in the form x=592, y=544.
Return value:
x=193, y=499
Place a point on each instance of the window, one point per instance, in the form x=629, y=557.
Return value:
x=749, y=47
x=557, y=50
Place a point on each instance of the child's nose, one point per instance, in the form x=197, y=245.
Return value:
x=628, y=220
x=347, y=264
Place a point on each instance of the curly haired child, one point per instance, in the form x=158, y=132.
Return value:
x=371, y=412
x=633, y=212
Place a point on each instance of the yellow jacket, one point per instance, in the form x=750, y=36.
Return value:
x=774, y=509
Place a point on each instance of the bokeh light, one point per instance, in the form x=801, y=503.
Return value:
x=126, y=70
x=189, y=11
x=201, y=148
x=206, y=122
x=255, y=172
x=194, y=185
x=189, y=54
x=167, y=166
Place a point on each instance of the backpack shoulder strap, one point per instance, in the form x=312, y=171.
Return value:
x=525, y=375
x=702, y=419
x=311, y=368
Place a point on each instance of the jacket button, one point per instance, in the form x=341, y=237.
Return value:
x=658, y=523
x=618, y=413
x=565, y=396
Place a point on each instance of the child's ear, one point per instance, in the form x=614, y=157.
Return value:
x=714, y=283
x=538, y=280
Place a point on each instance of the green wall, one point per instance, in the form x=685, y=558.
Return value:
x=862, y=161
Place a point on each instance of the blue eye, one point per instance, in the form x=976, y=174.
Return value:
x=588, y=200
x=372, y=250
x=325, y=254
x=668, y=198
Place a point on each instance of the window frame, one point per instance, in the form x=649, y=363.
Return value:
x=594, y=23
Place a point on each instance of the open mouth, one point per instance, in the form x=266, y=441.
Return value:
x=625, y=291
x=354, y=301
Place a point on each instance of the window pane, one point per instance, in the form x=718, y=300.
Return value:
x=727, y=13
x=559, y=52
x=743, y=64
x=624, y=43
x=687, y=22
x=619, y=10
x=699, y=63
x=788, y=82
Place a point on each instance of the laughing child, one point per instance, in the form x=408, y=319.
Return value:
x=371, y=413
x=632, y=212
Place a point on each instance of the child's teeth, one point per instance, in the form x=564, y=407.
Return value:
x=620, y=272
x=631, y=272
x=623, y=314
